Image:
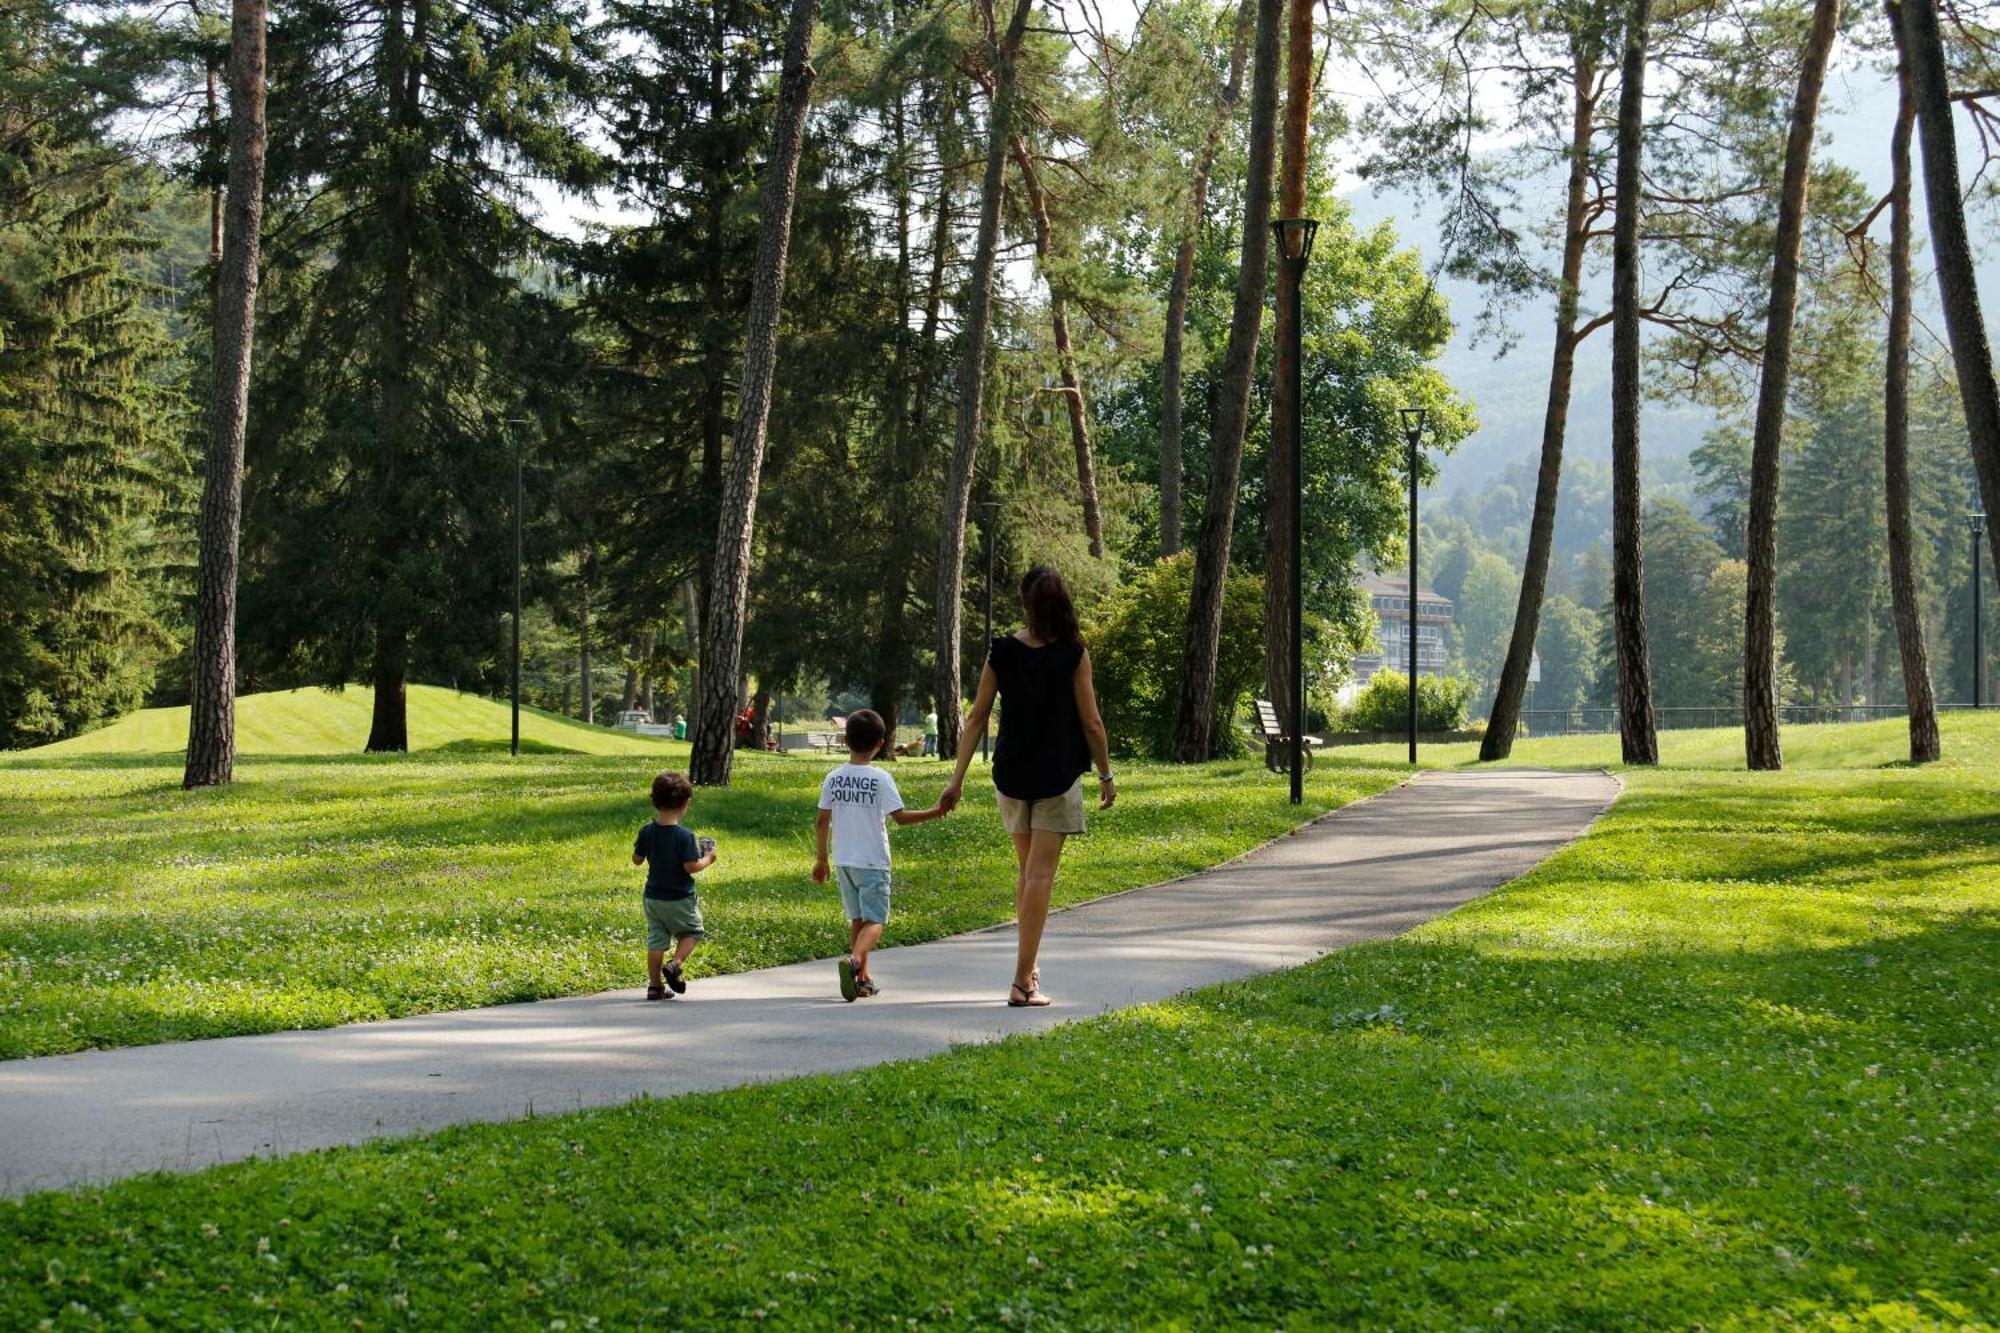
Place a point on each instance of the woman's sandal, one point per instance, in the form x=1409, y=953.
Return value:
x=1029, y=999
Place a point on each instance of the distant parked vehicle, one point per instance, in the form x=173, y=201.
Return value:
x=633, y=718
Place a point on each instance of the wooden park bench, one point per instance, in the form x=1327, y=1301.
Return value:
x=1277, y=741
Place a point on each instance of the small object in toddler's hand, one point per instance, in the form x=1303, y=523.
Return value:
x=707, y=845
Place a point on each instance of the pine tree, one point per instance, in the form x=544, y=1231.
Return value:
x=211, y=752
x=403, y=332
x=1760, y=647
x=1194, y=710
x=89, y=460
x=713, y=738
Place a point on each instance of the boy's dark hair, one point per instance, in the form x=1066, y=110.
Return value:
x=671, y=791
x=865, y=730
x=1051, y=614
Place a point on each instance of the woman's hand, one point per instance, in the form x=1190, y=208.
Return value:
x=1107, y=792
x=948, y=800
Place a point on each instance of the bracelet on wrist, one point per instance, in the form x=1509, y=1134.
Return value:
x=1105, y=776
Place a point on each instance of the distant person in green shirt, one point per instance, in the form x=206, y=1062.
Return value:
x=930, y=733
x=680, y=727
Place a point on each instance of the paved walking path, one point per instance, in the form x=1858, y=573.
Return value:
x=1373, y=869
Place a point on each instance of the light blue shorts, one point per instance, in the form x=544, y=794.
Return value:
x=864, y=893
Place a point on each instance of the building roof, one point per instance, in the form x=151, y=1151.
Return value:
x=1398, y=585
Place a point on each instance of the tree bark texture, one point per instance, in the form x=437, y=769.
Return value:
x=389, y=729
x=1193, y=736
x=713, y=746
x=1761, y=745
x=211, y=752
x=947, y=684
x=1951, y=250
x=1628, y=599
x=1925, y=744
x=389, y=724
x=1071, y=390
x=1282, y=463
x=1172, y=350
x=1505, y=717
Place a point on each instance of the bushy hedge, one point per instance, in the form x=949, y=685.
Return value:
x=1384, y=704
x=1135, y=653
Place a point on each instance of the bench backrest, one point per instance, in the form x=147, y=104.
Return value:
x=1267, y=717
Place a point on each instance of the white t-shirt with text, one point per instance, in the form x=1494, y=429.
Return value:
x=861, y=798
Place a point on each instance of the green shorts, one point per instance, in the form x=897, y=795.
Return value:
x=670, y=919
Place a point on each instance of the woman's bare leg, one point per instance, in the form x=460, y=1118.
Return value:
x=1031, y=905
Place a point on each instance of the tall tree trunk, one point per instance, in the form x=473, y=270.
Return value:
x=211, y=752
x=1914, y=653
x=722, y=631
x=1177, y=291
x=1282, y=462
x=1072, y=391
x=717, y=312
x=1505, y=717
x=389, y=729
x=1193, y=735
x=629, y=699
x=972, y=382
x=389, y=723
x=691, y=605
x=1628, y=596
x=1951, y=249
x=1760, y=617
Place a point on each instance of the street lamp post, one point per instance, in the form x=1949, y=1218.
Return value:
x=514, y=745
x=1976, y=523
x=1295, y=243
x=1413, y=433
x=992, y=509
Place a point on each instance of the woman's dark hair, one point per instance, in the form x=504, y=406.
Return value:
x=1051, y=614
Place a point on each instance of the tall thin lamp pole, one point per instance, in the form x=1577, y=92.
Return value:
x=992, y=509
x=1977, y=524
x=1295, y=240
x=513, y=423
x=1413, y=433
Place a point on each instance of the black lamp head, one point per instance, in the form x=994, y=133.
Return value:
x=1295, y=237
x=1977, y=522
x=1413, y=420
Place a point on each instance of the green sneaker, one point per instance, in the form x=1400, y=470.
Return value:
x=848, y=989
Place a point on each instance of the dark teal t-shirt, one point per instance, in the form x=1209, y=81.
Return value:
x=667, y=849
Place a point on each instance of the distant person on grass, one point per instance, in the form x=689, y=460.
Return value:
x=930, y=734
x=673, y=856
x=1050, y=732
x=855, y=801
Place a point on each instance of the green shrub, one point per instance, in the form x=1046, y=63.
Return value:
x=1384, y=704
x=1135, y=653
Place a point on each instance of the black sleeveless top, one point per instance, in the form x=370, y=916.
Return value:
x=1041, y=751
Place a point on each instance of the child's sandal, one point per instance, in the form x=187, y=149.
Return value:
x=656, y=992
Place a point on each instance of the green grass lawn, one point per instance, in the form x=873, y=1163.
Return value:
x=1727, y=1062
x=312, y=722
x=324, y=888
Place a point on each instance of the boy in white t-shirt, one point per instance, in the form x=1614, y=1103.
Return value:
x=854, y=801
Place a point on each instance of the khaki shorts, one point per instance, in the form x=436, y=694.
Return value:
x=1051, y=814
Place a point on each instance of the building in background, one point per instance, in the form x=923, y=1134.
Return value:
x=1389, y=594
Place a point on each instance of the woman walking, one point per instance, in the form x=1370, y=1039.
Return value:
x=1049, y=735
